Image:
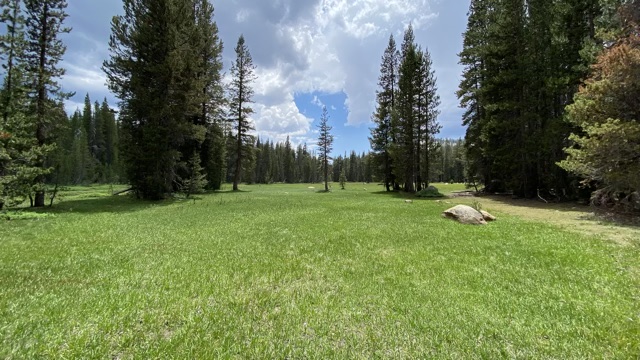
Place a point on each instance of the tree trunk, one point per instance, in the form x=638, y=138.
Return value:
x=40, y=101
x=387, y=171
x=238, y=170
x=326, y=174
x=39, y=199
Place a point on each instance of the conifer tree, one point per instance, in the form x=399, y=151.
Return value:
x=87, y=121
x=381, y=134
x=12, y=45
x=211, y=101
x=214, y=156
x=325, y=144
x=606, y=149
x=289, y=162
x=405, y=115
x=43, y=52
x=240, y=94
x=110, y=139
x=523, y=62
x=154, y=73
x=427, y=124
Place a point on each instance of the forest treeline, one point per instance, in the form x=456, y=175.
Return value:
x=550, y=90
x=548, y=113
x=88, y=153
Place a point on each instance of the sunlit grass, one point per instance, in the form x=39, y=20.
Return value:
x=282, y=271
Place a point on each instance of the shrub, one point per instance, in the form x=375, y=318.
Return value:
x=430, y=192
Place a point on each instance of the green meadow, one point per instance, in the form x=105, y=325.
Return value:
x=286, y=271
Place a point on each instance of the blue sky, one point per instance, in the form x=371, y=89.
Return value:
x=308, y=53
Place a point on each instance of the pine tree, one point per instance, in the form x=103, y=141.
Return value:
x=325, y=144
x=12, y=44
x=214, y=156
x=212, y=102
x=196, y=181
x=87, y=121
x=606, y=150
x=110, y=136
x=523, y=63
x=289, y=161
x=471, y=88
x=404, y=117
x=151, y=71
x=381, y=135
x=427, y=115
x=43, y=52
x=240, y=94
x=82, y=162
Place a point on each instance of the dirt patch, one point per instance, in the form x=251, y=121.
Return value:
x=623, y=230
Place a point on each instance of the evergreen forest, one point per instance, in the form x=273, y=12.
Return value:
x=549, y=89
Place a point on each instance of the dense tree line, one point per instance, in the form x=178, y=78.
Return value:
x=283, y=163
x=280, y=163
x=88, y=147
x=550, y=89
x=354, y=168
x=449, y=161
x=524, y=61
x=31, y=99
x=405, y=119
x=606, y=113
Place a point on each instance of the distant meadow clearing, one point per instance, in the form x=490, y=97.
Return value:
x=285, y=271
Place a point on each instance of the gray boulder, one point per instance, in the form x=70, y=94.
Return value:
x=487, y=216
x=465, y=215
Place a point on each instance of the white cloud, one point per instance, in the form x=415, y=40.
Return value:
x=71, y=106
x=334, y=46
x=317, y=102
x=88, y=79
x=242, y=15
x=280, y=120
x=298, y=46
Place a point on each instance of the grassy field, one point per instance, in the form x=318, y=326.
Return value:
x=283, y=271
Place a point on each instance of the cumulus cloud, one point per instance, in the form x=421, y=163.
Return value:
x=298, y=46
x=327, y=46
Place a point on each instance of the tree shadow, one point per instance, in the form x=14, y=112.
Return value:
x=533, y=203
x=583, y=212
x=106, y=204
x=396, y=194
x=239, y=191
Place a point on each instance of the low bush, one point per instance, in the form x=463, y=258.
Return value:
x=429, y=192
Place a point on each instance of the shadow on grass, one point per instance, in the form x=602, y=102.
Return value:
x=534, y=203
x=395, y=194
x=239, y=191
x=106, y=204
x=631, y=221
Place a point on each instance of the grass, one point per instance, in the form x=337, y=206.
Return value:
x=282, y=271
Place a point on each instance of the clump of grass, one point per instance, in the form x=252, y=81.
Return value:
x=476, y=205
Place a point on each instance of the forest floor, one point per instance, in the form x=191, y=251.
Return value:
x=286, y=271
